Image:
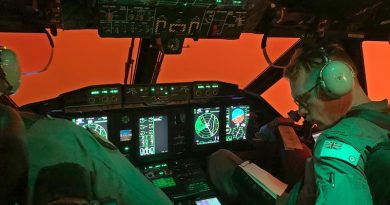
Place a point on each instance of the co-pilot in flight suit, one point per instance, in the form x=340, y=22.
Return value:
x=335, y=174
x=53, y=141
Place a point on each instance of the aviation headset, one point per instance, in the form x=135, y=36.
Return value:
x=336, y=77
x=9, y=71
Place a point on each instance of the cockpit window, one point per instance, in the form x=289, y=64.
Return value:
x=377, y=63
x=81, y=58
x=234, y=61
x=279, y=96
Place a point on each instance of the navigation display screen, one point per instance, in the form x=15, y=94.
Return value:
x=97, y=124
x=153, y=135
x=206, y=125
x=237, y=118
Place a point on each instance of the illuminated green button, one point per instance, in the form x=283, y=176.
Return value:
x=95, y=92
x=113, y=91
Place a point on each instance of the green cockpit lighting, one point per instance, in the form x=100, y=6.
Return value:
x=164, y=182
x=95, y=92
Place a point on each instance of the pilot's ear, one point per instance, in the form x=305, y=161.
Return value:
x=9, y=71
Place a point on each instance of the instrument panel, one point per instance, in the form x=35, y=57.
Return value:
x=154, y=133
x=167, y=130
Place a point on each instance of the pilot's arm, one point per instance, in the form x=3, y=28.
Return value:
x=339, y=173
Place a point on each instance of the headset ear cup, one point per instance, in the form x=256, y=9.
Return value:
x=9, y=65
x=337, y=79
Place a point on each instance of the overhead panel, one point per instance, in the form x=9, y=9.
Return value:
x=184, y=18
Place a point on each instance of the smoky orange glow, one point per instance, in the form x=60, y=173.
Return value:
x=82, y=58
x=377, y=62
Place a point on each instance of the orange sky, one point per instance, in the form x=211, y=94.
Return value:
x=81, y=58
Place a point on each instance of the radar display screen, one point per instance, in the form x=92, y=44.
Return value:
x=237, y=118
x=97, y=124
x=206, y=124
x=153, y=135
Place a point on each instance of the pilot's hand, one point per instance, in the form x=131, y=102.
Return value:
x=281, y=121
x=267, y=132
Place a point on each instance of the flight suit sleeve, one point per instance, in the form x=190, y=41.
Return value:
x=117, y=178
x=54, y=141
x=339, y=174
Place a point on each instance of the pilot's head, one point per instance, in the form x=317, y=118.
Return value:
x=9, y=71
x=322, y=81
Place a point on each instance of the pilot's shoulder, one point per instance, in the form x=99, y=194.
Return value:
x=34, y=121
x=102, y=141
x=348, y=139
x=47, y=127
x=355, y=131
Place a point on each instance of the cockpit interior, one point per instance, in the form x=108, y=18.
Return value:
x=168, y=128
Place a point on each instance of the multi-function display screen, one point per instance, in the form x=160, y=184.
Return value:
x=206, y=125
x=237, y=118
x=153, y=135
x=97, y=124
x=210, y=201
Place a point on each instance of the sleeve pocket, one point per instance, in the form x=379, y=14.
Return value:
x=343, y=189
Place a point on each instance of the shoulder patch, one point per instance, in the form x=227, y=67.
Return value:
x=101, y=139
x=339, y=150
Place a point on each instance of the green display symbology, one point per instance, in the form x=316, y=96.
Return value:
x=97, y=128
x=198, y=187
x=95, y=124
x=206, y=125
x=164, y=182
x=237, y=118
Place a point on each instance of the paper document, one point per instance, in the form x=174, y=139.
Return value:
x=269, y=183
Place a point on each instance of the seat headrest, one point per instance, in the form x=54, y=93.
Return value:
x=13, y=157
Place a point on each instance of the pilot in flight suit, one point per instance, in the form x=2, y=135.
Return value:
x=57, y=148
x=324, y=87
x=335, y=174
x=52, y=142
